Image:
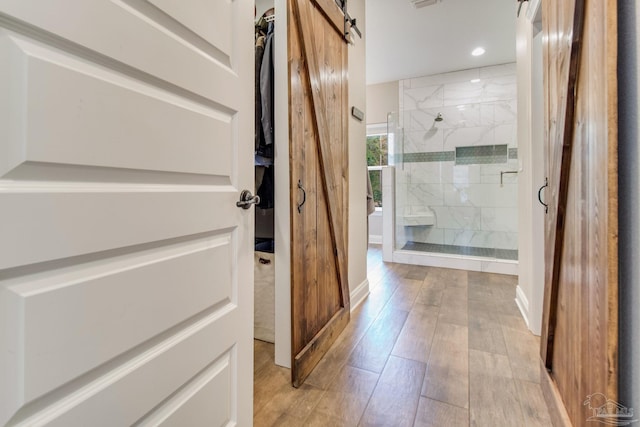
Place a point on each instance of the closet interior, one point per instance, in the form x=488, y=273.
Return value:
x=264, y=258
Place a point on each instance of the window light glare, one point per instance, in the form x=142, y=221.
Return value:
x=478, y=51
x=475, y=81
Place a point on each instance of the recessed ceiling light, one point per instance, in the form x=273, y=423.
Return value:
x=478, y=51
x=475, y=81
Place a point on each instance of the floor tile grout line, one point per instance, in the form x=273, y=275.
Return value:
x=371, y=395
x=346, y=361
x=380, y=376
x=312, y=410
x=394, y=341
x=513, y=378
x=446, y=403
x=468, y=359
x=373, y=321
x=426, y=371
x=390, y=355
x=395, y=274
x=415, y=412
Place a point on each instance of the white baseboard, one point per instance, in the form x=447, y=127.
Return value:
x=523, y=304
x=375, y=240
x=359, y=294
x=457, y=262
x=495, y=266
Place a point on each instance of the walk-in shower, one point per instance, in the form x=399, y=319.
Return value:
x=455, y=154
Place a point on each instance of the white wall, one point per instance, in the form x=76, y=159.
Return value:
x=282, y=224
x=262, y=6
x=530, y=290
x=358, y=283
x=375, y=227
x=538, y=173
x=524, y=64
x=382, y=98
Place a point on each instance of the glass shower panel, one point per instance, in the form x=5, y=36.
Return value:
x=456, y=158
x=395, y=136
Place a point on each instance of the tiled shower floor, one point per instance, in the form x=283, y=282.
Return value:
x=509, y=254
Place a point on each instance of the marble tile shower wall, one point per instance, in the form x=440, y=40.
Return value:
x=478, y=107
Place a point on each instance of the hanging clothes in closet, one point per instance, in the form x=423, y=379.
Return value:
x=264, y=85
x=264, y=129
x=260, y=40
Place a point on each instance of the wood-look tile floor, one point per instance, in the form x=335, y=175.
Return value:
x=428, y=347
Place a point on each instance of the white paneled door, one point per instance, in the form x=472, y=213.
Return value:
x=126, y=277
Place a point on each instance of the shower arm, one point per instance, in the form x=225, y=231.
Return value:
x=505, y=172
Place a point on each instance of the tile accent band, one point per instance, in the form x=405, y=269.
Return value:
x=450, y=156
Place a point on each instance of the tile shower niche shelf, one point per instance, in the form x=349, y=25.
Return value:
x=418, y=218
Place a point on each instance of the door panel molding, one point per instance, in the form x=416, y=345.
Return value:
x=133, y=48
x=126, y=287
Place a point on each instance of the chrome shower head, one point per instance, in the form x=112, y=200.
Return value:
x=439, y=118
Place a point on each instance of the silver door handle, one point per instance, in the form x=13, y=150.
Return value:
x=247, y=199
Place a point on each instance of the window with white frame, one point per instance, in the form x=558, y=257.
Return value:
x=377, y=156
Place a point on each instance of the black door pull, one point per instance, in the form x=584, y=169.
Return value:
x=546, y=206
x=304, y=196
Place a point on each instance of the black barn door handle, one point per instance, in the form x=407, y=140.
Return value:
x=546, y=206
x=304, y=196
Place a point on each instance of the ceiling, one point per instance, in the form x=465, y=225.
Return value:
x=404, y=42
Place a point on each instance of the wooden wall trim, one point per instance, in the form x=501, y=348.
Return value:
x=551, y=297
x=345, y=154
x=612, y=200
x=557, y=411
x=302, y=9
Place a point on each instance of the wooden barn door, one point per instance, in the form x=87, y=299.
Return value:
x=318, y=146
x=579, y=337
